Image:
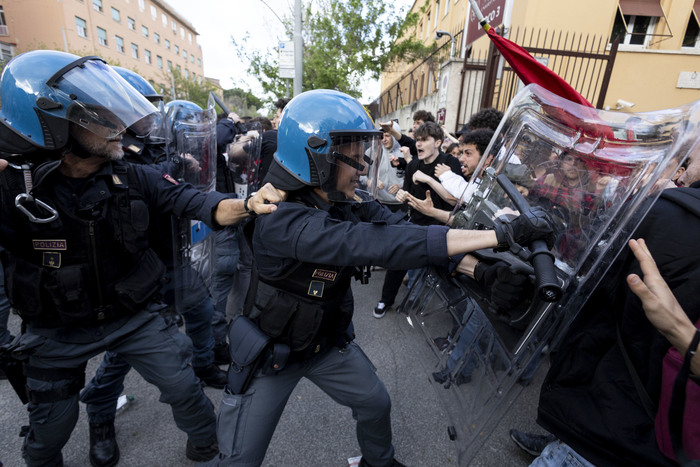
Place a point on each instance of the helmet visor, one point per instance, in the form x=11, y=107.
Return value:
x=353, y=159
x=100, y=100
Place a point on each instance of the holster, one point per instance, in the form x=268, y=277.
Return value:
x=247, y=343
x=13, y=371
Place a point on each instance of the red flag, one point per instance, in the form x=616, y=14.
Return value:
x=530, y=70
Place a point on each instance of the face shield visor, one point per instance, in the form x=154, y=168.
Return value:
x=348, y=171
x=99, y=100
x=243, y=156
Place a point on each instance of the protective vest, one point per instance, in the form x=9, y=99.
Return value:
x=308, y=308
x=90, y=265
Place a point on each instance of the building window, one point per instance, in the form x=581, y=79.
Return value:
x=134, y=50
x=184, y=54
x=447, y=7
x=159, y=61
x=142, y=5
x=120, y=44
x=191, y=58
x=154, y=13
x=635, y=22
x=170, y=65
x=147, y=56
x=116, y=16
x=97, y=5
x=437, y=13
x=187, y=73
x=177, y=49
x=132, y=23
x=167, y=44
x=81, y=27
x=144, y=31
x=638, y=31
x=173, y=24
x=102, y=36
x=182, y=33
x=6, y=51
x=692, y=32
x=189, y=37
x=3, y=24
x=177, y=67
x=156, y=38
x=199, y=62
x=164, y=19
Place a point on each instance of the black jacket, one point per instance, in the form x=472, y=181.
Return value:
x=588, y=399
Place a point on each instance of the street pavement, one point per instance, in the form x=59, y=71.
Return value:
x=314, y=431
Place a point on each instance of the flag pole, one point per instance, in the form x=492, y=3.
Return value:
x=479, y=17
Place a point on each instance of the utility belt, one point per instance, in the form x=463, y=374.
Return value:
x=252, y=350
x=60, y=297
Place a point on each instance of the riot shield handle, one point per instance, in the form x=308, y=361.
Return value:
x=542, y=260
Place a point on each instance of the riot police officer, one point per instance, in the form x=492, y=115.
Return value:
x=306, y=254
x=183, y=290
x=74, y=228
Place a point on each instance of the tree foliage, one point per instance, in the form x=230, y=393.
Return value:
x=344, y=42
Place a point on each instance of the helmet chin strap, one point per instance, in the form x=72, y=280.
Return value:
x=74, y=147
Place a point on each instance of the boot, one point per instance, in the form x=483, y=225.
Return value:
x=201, y=453
x=211, y=375
x=104, y=451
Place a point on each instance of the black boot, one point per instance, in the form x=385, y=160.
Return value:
x=104, y=451
x=221, y=354
x=201, y=453
x=211, y=375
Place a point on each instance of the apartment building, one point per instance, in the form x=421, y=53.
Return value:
x=657, y=64
x=147, y=36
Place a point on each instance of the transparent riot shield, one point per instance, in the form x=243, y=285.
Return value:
x=244, y=159
x=597, y=173
x=194, y=136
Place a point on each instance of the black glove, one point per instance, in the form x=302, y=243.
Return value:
x=505, y=288
x=533, y=224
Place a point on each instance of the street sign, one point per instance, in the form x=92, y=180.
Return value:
x=286, y=59
x=493, y=14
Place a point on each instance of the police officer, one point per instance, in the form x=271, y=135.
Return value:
x=102, y=391
x=79, y=267
x=305, y=256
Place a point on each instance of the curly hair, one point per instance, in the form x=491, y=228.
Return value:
x=479, y=138
x=424, y=116
x=485, y=118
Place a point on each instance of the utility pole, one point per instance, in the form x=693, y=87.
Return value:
x=298, y=48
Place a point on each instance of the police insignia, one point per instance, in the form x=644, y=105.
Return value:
x=116, y=180
x=49, y=244
x=324, y=274
x=316, y=289
x=52, y=259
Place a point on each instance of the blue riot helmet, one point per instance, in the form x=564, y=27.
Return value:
x=327, y=139
x=140, y=84
x=45, y=90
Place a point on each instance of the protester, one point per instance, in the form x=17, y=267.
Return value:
x=428, y=141
x=589, y=399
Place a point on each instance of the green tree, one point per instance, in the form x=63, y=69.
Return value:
x=187, y=89
x=243, y=102
x=344, y=41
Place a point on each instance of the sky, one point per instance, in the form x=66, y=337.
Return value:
x=217, y=21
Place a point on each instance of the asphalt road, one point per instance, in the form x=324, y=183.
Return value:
x=314, y=431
